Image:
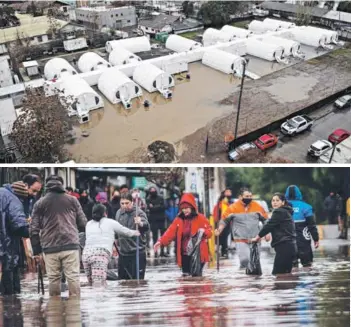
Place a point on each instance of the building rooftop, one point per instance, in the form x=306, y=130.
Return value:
x=32, y=63
x=159, y=21
x=100, y=9
x=30, y=26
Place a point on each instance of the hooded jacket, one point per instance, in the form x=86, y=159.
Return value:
x=127, y=246
x=175, y=231
x=56, y=218
x=303, y=215
x=13, y=226
x=281, y=226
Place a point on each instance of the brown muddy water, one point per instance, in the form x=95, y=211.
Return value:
x=318, y=297
x=115, y=132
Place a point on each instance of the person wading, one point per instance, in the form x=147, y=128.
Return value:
x=281, y=226
x=133, y=218
x=184, y=227
x=54, y=231
x=100, y=235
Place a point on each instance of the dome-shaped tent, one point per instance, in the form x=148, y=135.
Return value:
x=213, y=36
x=291, y=48
x=91, y=61
x=259, y=27
x=120, y=56
x=133, y=44
x=223, y=61
x=309, y=37
x=81, y=96
x=152, y=78
x=236, y=32
x=280, y=23
x=117, y=87
x=180, y=44
x=267, y=51
x=57, y=68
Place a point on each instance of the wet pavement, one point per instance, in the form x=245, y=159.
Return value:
x=310, y=297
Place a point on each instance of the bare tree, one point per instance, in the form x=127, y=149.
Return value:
x=19, y=50
x=168, y=178
x=54, y=25
x=303, y=15
x=40, y=131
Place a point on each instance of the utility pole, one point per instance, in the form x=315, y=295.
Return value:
x=332, y=154
x=244, y=62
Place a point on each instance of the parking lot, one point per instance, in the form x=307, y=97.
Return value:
x=327, y=120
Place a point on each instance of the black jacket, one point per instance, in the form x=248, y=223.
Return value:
x=87, y=205
x=156, y=213
x=281, y=226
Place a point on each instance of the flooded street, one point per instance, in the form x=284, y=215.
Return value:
x=311, y=297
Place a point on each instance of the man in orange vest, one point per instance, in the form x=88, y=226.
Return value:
x=220, y=208
x=246, y=216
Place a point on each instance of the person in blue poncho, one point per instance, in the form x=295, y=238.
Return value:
x=305, y=226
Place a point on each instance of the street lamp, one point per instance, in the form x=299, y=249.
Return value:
x=244, y=63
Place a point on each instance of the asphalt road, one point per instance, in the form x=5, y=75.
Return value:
x=295, y=148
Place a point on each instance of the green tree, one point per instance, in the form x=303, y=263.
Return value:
x=188, y=8
x=303, y=15
x=218, y=13
x=315, y=182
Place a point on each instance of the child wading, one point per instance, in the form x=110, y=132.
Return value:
x=100, y=235
x=184, y=229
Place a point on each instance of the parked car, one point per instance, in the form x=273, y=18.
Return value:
x=343, y=102
x=338, y=135
x=238, y=151
x=319, y=147
x=266, y=141
x=296, y=125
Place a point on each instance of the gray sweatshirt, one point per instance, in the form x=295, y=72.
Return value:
x=127, y=246
x=245, y=225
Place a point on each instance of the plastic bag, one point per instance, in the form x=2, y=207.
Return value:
x=111, y=275
x=254, y=267
x=195, y=257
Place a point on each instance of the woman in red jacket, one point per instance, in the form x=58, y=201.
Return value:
x=185, y=226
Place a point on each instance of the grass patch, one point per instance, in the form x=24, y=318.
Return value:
x=242, y=24
x=191, y=35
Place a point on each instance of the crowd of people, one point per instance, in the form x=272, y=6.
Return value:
x=124, y=223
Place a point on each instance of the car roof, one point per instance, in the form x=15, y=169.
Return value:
x=340, y=131
x=320, y=143
x=246, y=146
x=266, y=137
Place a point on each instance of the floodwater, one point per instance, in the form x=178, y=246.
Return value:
x=116, y=132
x=317, y=297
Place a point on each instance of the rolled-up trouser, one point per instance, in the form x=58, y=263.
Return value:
x=243, y=250
x=68, y=261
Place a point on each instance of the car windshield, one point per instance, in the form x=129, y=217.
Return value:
x=343, y=99
x=292, y=123
x=260, y=142
x=335, y=136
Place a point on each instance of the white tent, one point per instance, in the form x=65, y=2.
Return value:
x=57, y=68
x=259, y=27
x=291, y=48
x=236, y=32
x=280, y=23
x=223, y=61
x=267, y=51
x=179, y=43
x=91, y=61
x=332, y=36
x=81, y=96
x=133, y=44
x=213, y=36
x=117, y=87
x=120, y=56
x=152, y=78
x=309, y=37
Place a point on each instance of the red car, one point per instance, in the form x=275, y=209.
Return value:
x=266, y=141
x=338, y=135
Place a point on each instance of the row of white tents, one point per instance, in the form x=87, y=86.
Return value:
x=117, y=86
